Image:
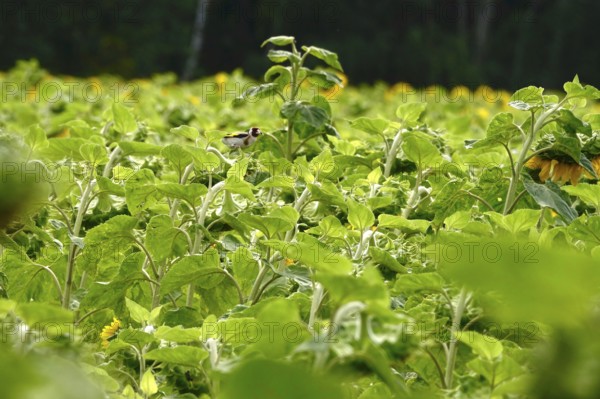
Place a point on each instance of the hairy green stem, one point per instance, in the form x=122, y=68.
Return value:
x=414, y=196
x=208, y=199
x=254, y=293
x=454, y=329
x=54, y=278
x=318, y=294
x=300, y=201
x=290, y=140
x=142, y=365
x=219, y=154
x=186, y=174
x=148, y=256
x=296, y=65
x=363, y=244
x=516, y=173
x=392, y=153
x=116, y=152
x=83, y=204
x=478, y=198
x=437, y=366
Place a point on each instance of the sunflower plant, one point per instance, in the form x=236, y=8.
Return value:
x=551, y=138
x=296, y=88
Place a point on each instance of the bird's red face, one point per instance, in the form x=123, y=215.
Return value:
x=255, y=132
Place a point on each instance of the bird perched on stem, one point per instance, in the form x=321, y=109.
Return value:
x=242, y=139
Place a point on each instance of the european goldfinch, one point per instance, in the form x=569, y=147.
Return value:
x=242, y=139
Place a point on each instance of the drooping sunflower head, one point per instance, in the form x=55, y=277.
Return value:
x=560, y=167
x=559, y=171
x=110, y=331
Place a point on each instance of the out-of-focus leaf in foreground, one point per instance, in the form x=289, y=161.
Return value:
x=521, y=281
x=266, y=379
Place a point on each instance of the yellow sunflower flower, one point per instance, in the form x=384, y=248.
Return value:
x=195, y=100
x=561, y=172
x=483, y=113
x=32, y=95
x=596, y=165
x=221, y=78
x=109, y=331
x=535, y=163
x=402, y=88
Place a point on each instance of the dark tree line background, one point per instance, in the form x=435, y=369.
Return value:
x=503, y=43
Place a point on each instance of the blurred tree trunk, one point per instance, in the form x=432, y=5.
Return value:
x=197, y=40
x=482, y=27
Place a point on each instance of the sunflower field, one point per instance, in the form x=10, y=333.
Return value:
x=374, y=242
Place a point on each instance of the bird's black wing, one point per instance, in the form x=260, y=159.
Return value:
x=236, y=135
